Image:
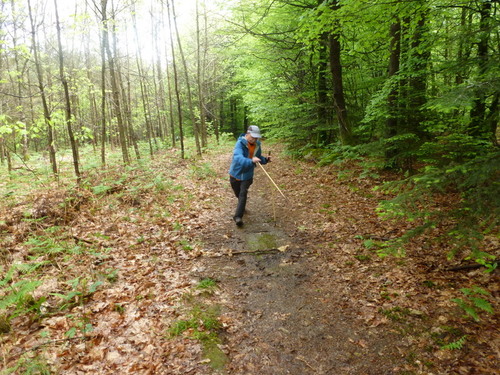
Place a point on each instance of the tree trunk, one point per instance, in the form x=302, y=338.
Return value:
x=169, y=88
x=394, y=61
x=19, y=83
x=170, y=106
x=159, y=86
x=392, y=124
x=419, y=57
x=142, y=83
x=201, y=77
x=338, y=85
x=46, y=112
x=176, y=81
x=67, y=98
x=104, y=37
x=127, y=110
x=188, y=84
x=479, y=128
x=115, y=88
x=232, y=115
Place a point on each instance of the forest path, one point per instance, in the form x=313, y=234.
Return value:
x=291, y=309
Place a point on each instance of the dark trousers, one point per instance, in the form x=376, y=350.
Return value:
x=240, y=189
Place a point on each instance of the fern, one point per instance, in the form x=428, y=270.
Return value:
x=482, y=304
x=101, y=189
x=456, y=345
x=473, y=304
x=20, y=291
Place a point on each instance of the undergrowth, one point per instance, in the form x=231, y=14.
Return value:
x=201, y=322
x=52, y=270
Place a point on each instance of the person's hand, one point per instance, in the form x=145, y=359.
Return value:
x=255, y=159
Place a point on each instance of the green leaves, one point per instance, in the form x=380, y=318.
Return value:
x=18, y=292
x=456, y=345
x=473, y=303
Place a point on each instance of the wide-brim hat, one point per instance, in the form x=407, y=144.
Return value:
x=254, y=131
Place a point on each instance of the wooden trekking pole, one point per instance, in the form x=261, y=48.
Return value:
x=276, y=186
x=273, y=200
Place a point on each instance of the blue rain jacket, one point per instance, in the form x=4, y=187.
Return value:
x=242, y=166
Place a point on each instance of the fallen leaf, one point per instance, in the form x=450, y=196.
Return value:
x=283, y=248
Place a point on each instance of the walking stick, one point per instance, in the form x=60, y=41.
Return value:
x=276, y=186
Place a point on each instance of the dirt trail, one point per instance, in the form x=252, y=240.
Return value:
x=287, y=306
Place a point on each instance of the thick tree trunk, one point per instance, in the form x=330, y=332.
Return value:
x=420, y=55
x=338, y=85
x=479, y=127
x=392, y=123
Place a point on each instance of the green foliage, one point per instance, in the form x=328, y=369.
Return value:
x=111, y=275
x=81, y=326
x=473, y=303
x=397, y=314
x=46, y=246
x=203, y=322
x=203, y=171
x=470, y=175
x=79, y=289
x=29, y=365
x=456, y=345
x=207, y=284
x=17, y=294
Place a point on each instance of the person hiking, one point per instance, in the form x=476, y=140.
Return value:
x=247, y=153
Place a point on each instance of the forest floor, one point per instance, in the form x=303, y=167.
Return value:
x=159, y=280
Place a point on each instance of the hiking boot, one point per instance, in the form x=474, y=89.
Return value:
x=238, y=221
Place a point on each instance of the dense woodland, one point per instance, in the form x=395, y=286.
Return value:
x=410, y=87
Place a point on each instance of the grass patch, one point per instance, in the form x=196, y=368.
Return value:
x=264, y=241
x=396, y=314
x=207, y=285
x=201, y=322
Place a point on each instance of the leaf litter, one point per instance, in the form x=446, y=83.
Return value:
x=312, y=298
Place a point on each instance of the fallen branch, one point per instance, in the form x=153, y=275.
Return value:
x=465, y=267
x=256, y=252
x=51, y=342
x=78, y=239
x=301, y=358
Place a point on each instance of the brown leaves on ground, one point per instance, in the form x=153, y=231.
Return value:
x=127, y=254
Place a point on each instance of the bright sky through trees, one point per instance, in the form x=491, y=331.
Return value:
x=78, y=19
